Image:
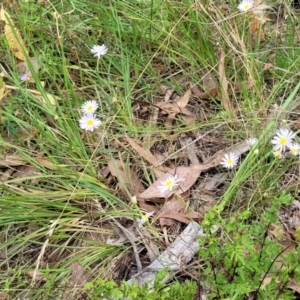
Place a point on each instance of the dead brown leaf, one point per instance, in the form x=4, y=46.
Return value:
x=186, y=175
x=173, y=108
x=39, y=276
x=189, y=175
x=224, y=83
x=268, y=66
x=184, y=100
x=13, y=37
x=170, y=119
x=209, y=85
x=12, y=161
x=26, y=171
x=175, y=209
x=168, y=91
x=4, y=296
x=294, y=286
x=147, y=155
x=175, y=205
x=76, y=283
x=189, y=119
x=256, y=28
x=47, y=98
x=129, y=181
x=78, y=278
x=46, y=163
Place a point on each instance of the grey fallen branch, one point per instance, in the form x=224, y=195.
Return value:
x=174, y=258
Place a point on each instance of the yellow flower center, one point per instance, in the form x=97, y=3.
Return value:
x=294, y=150
x=90, y=122
x=169, y=183
x=229, y=161
x=145, y=217
x=246, y=6
x=283, y=141
x=90, y=108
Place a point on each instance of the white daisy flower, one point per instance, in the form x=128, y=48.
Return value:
x=98, y=50
x=230, y=160
x=144, y=218
x=295, y=149
x=245, y=5
x=89, y=122
x=277, y=154
x=89, y=106
x=283, y=138
x=252, y=141
x=169, y=184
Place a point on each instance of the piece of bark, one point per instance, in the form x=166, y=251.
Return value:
x=177, y=255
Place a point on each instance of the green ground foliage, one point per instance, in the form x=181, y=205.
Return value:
x=183, y=83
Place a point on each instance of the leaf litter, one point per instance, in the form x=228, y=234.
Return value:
x=173, y=209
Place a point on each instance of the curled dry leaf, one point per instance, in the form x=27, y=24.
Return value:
x=184, y=100
x=147, y=155
x=168, y=92
x=13, y=37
